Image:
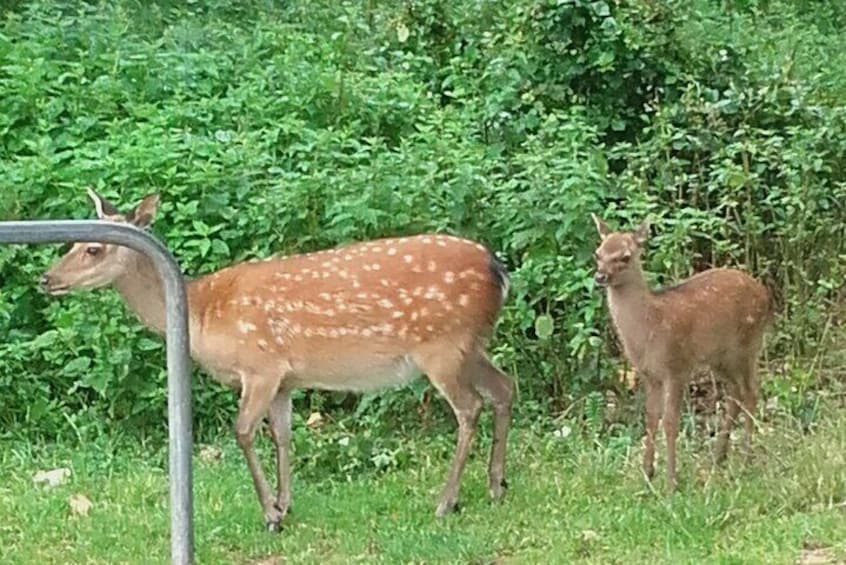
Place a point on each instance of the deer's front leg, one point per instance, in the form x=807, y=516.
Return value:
x=654, y=405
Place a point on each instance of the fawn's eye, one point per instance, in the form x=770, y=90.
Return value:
x=625, y=258
x=93, y=250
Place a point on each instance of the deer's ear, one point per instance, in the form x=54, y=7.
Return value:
x=601, y=227
x=101, y=205
x=641, y=234
x=145, y=212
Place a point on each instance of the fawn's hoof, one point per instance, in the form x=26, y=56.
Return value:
x=273, y=526
x=447, y=507
x=497, y=489
x=273, y=518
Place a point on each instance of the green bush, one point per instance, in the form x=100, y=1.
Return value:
x=284, y=127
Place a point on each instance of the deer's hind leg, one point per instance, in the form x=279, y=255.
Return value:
x=279, y=418
x=751, y=392
x=742, y=388
x=733, y=398
x=257, y=393
x=447, y=371
x=499, y=388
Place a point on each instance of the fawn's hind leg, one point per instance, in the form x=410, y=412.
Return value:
x=448, y=373
x=499, y=387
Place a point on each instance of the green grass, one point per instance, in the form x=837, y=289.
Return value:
x=570, y=499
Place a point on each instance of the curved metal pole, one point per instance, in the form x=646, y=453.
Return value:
x=178, y=359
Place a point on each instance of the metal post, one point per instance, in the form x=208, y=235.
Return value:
x=178, y=359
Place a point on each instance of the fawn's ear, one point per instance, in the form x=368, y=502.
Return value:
x=641, y=234
x=601, y=227
x=144, y=214
x=101, y=205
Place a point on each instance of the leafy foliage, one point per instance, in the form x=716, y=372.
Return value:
x=285, y=127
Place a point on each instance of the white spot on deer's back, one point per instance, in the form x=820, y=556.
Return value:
x=463, y=300
x=432, y=266
x=246, y=327
x=449, y=277
x=407, y=258
x=392, y=251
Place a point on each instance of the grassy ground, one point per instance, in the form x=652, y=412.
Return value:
x=570, y=499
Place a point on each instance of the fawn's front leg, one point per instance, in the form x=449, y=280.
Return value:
x=654, y=404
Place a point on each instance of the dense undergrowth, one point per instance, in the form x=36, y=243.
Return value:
x=290, y=126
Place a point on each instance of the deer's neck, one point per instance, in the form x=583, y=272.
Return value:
x=631, y=306
x=143, y=292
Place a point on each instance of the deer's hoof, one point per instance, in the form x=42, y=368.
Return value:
x=273, y=519
x=273, y=526
x=497, y=489
x=447, y=507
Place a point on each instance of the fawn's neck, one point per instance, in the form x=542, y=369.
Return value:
x=630, y=303
x=143, y=292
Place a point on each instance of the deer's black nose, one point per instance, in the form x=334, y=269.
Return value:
x=601, y=279
x=45, y=280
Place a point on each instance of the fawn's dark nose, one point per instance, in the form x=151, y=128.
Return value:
x=45, y=281
x=601, y=279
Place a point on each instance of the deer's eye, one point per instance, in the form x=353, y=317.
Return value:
x=625, y=258
x=93, y=250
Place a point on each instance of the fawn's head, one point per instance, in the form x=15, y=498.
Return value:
x=618, y=254
x=94, y=265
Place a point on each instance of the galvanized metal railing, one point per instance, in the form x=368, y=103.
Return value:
x=178, y=359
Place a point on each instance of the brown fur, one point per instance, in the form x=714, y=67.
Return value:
x=715, y=319
x=364, y=316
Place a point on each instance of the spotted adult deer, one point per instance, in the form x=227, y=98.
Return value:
x=715, y=319
x=354, y=318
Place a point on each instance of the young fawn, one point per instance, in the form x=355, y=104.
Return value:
x=355, y=318
x=715, y=319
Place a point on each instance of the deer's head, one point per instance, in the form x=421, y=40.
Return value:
x=618, y=254
x=94, y=265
